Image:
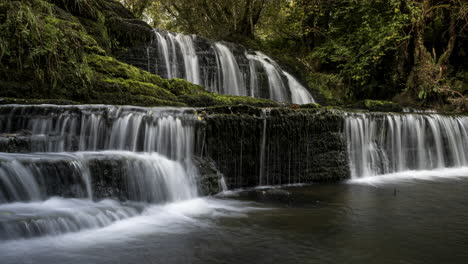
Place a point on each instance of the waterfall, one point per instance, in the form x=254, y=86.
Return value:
x=173, y=48
x=388, y=143
x=254, y=84
x=58, y=216
x=190, y=58
x=17, y=182
x=232, y=82
x=90, y=128
x=164, y=51
x=299, y=94
x=221, y=67
x=276, y=85
x=261, y=173
x=80, y=154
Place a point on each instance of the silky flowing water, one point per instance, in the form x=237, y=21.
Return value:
x=405, y=202
x=407, y=218
x=222, y=67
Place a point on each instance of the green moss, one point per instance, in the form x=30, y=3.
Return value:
x=115, y=98
x=309, y=106
x=235, y=100
x=183, y=87
x=99, y=32
x=131, y=87
x=59, y=49
x=212, y=99
x=381, y=106
x=42, y=50
x=83, y=8
x=329, y=87
x=113, y=68
x=6, y=100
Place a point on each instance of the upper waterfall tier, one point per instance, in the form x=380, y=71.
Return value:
x=220, y=67
x=388, y=143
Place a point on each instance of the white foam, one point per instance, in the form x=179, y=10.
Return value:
x=411, y=175
x=178, y=217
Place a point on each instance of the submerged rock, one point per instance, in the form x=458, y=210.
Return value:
x=274, y=195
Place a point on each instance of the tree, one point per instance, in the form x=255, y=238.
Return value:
x=431, y=60
x=215, y=18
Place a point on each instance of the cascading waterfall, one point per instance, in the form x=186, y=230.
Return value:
x=172, y=49
x=276, y=85
x=299, y=94
x=190, y=58
x=232, y=81
x=73, y=147
x=388, y=143
x=164, y=51
x=254, y=82
x=57, y=216
x=221, y=67
x=261, y=173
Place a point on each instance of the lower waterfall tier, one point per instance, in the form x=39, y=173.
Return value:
x=57, y=216
x=120, y=175
x=245, y=146
x=389, y=143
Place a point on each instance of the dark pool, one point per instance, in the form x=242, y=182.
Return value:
x=393, y=221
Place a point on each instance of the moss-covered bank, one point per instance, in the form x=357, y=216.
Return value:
x=61, y=50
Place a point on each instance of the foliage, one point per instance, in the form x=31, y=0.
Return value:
x=407, y=50
x=47, y=49
x=217, y=19
x=49, y=53
x=410, y=51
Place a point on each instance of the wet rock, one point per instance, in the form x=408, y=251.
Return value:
x=283, y=146
x=210, y=176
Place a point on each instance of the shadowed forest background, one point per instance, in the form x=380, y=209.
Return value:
x=411, y=51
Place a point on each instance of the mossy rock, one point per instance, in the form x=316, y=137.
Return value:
x=183, y=87
x=6, y=100
x=126, y=99
x=60, y=49
x=212, y=99
x=378, y=106
x=131, y=87
x=82, y=8
x=309, y=106
x=111, y=67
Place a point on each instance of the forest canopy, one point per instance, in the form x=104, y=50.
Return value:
x=411, y=51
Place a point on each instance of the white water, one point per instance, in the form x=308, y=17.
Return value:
x=192, y=73
x=254, y=82
x=233, y=81
x=389, y=143
x=150, y=149
x=228, y=73
x=164, y=130
x=262, y=179
x=154, y=220
x=276, y=85
x=299, y=94
x=57, y=216
x=411, y=175
x=164, y=51
x=23, y=177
